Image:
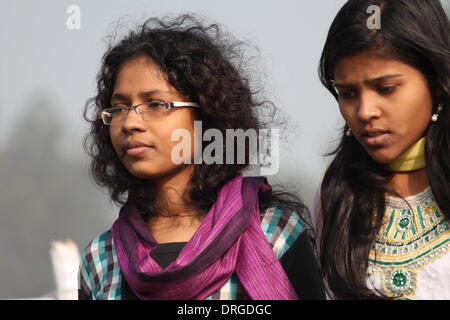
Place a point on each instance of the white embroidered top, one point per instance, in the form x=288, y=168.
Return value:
x=410, y=258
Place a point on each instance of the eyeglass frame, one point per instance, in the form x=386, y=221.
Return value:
x=167, y=105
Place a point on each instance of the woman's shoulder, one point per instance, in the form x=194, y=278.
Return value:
x=282, y=227
x=99, y=267
x=99, y=245
x=99, y=253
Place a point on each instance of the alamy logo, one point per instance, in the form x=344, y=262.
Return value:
x=73, y=21
x=374, y=21
x=263, y=147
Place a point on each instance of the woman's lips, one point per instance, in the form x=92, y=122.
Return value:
x=135, y=148
x=138, y=152
x=375, y=139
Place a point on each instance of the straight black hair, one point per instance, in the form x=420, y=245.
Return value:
x=416, y=32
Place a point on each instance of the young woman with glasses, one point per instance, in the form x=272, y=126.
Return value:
x=186, y=230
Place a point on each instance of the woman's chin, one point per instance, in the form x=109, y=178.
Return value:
x=155, y=172
x=382, y=156
x=147, y=175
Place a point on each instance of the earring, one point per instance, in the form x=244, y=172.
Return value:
x=348, y=133
x=435, y=117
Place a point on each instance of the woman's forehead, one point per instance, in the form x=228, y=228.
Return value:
x=142, y=78
x=368, y=68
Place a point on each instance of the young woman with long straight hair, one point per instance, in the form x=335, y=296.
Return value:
x=384, y=205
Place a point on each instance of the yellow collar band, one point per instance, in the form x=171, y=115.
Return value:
x=412, y=159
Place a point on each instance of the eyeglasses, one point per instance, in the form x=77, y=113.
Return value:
x=147, y=111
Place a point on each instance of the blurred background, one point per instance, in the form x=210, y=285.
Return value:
x=47, y=72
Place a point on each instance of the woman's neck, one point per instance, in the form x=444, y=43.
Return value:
x=174, y=193
x=174, y=220
x=410, y=182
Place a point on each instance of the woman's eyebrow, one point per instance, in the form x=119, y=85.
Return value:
x=150, y=93
x=119, y=96
x=142, y=95
x=382, y=78
x=368, y=81
x=344, y=85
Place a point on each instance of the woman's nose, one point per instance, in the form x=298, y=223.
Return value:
x=369, y=107
x=133, y=121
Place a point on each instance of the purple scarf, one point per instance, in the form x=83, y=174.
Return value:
x=229, y=240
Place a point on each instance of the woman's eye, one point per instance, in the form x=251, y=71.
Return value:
x=155, y=104
x=386, y=89
x=347, y=94
x=119, y=108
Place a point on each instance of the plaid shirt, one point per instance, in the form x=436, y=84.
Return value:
x=101, y=279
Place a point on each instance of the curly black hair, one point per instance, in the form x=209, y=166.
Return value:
x=203, y=64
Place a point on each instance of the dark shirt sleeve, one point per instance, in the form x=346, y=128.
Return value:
x=127, y=293
x=300, y=265
x=82, y=295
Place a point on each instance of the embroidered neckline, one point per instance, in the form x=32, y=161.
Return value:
x=414, y=233
x=413, y=200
